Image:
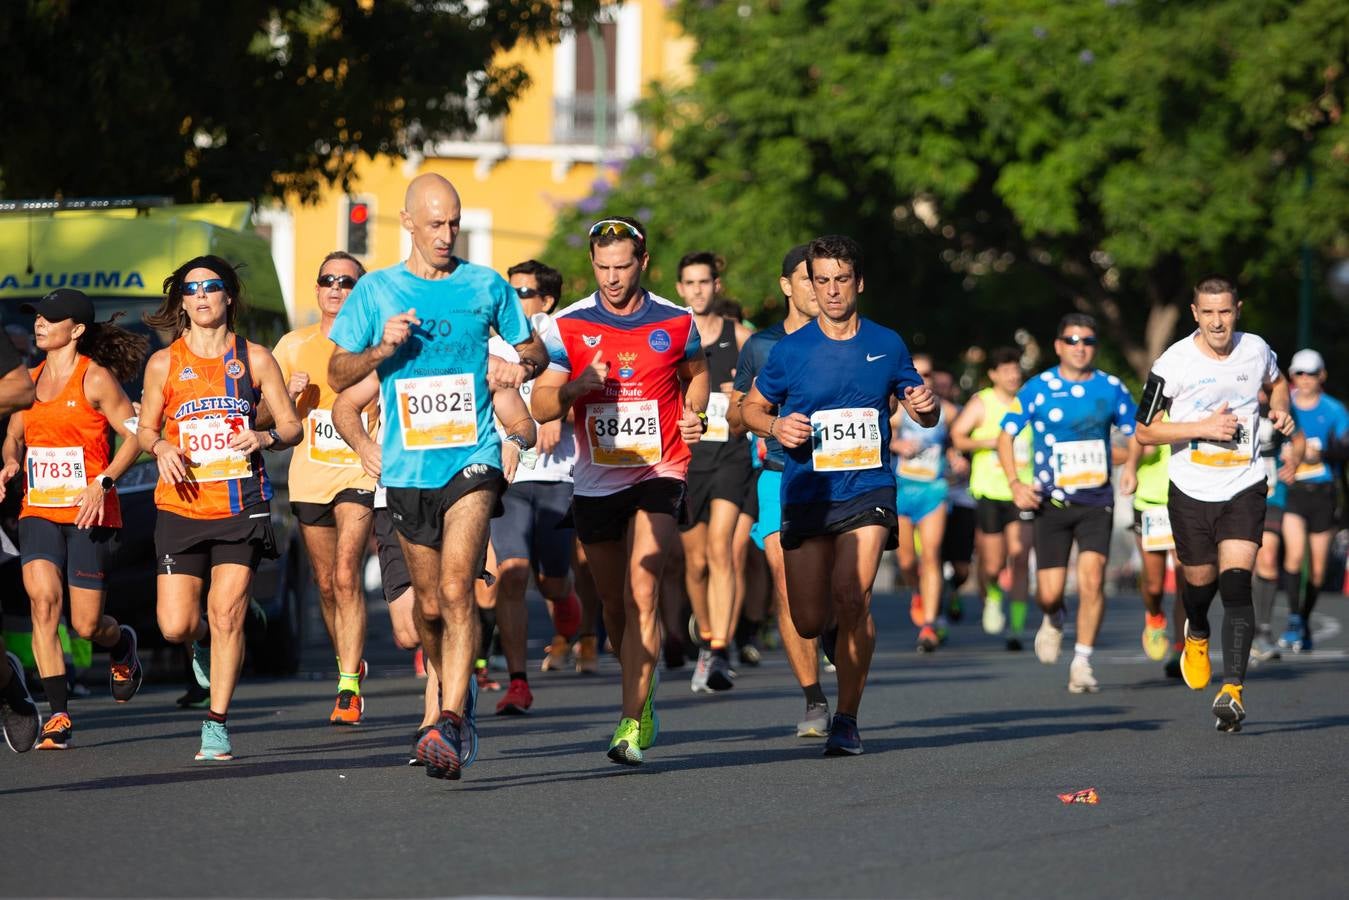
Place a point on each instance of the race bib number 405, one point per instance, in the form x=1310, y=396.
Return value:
x=55, y=476
x=846, y=439
x=326, y=446
x=1080, y=464
x=207, y=444
x=624, y=434
x=437, y=411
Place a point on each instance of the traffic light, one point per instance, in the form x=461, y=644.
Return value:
x=358, y=227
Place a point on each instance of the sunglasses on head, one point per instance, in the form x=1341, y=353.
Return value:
x=525, y=293
x=345, y=282
x=617, y=228
x=1301, y=372
x=1075, y=339
x=210, y=286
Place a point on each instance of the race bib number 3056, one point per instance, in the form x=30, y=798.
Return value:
x=846, y=439
x=207, y=444
x=55, y=476
x=624, y=434
x=437, y=411
x=1080, y=464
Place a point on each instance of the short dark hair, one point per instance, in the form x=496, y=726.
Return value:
x=698, y=258
x=549, y=279
x=834, y=246
x=1075, y=320
x=731, y=309
x=604, y=240
x=344, y=255
x=1001, y=356
x=1216, y=284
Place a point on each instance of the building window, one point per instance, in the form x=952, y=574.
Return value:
x=596, y=82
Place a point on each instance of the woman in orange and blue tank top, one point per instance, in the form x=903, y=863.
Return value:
x=198, y=420
x=70, y=511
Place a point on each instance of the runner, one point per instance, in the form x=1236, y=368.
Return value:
x=919, y=456
x=833, y=383
x=530, y=537
x=424, y=324
x=19, y=718
x=1281, y=457
x=1003, y=533
x=957, y=544
x=1309, y=516
x=1145, y=476
x=802, y=653
x=331, y=495
x=71, y=512
x=197, y=420
x=632, y=436
x=1210, y=381
x=719, y=472
x=1071, y=408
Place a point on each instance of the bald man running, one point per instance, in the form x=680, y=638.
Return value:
x=422, y=326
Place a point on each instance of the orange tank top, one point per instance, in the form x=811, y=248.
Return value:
x=205, y=402
x=66, y=442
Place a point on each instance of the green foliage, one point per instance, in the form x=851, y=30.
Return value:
x=232, y=100
x=1005, y=161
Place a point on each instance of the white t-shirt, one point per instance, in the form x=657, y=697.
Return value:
x=555, y=466
x=1197, y=385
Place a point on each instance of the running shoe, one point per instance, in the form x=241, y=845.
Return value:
x=1014, y=645
x=829, y=665
x=844, y=738
x=468, y=731
x=719, y=675
x=195, y=697
x=417, y=739
x=1291, y=639
x=1155, y=641
x=125, y=675
x=1171, y=668
x=201, y=665
x=558, y=655
x=995, y=620
x=519, y=698
x=955, y=608
x=1081, y=680
x=815, y=723
x=1048, y=642
x=348, y=709
x=749, y=654
x=439, y=748
x=625, y=747
x=916, y=610
x=673, y=652
x=19, y=716
x=649, y=724
x=1305, y=645
x=1264, y=650
x=56, y=733
x=587, y=655
x=1228, y=708
x=484, y=681
x=943, y=628
x=701, y=669
x=1195, y=667
x=928, y=639
x=215, y=742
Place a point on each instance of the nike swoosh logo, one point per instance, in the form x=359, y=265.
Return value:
x=871, y=358
x=722, y=344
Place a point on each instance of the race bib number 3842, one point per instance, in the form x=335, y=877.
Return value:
x=437, y=411
x=624, y=434
x=846, y=439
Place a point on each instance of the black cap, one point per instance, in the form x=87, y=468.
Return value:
x=62, y=304
x=794, y=258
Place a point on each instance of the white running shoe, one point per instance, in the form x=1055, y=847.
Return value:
x=1080, y=677
x=995, y=620
x=1048, y=642
x=815, y=724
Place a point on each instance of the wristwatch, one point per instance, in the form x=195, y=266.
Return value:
x=105, y=482
x=276, y=439
x=518, y=441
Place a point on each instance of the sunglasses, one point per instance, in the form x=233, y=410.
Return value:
x=1311, y=374
x=1074, y=340
x=210, y=286
x=617, y=228
x=345, y=282
x=525, y=293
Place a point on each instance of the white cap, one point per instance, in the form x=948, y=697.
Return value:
x=1307, y=360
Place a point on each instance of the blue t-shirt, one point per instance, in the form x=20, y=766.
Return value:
x=437, y=407
x=1322, y=425
x=1070, y=422
x=809, y=373
x=752, y=358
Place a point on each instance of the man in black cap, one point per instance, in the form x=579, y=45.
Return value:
x=802, y=655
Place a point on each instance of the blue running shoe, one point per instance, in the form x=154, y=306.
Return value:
x=468, y=730
x=1304, y=644
x=844, y=738
x=201, y=665
x=215, y=742
x=1291, y=639
x=439, y=748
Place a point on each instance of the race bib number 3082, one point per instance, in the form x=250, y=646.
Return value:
x=624, y=434
x=437, y=411
x=846, y=439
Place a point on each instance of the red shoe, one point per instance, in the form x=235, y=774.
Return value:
x=518, y=699
x=485, y=682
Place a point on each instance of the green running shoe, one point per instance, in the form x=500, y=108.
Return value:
x=215, y=742
x=624, y=748
x=650, y=723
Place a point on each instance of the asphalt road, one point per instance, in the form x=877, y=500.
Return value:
x=955, y=796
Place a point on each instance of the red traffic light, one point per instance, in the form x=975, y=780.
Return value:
x=359, y=213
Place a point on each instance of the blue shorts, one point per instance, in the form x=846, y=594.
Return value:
x=530, y=526
x=916, y=500
x=770, y=507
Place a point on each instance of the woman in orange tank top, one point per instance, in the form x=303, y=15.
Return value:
x=70, y=510
x=198, y=420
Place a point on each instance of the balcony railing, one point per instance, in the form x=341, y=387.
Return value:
x=574, y=120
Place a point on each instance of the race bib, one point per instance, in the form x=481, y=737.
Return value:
x=718, y=428
x=846, y=439
x=56, y=476
x=1311, y=465
x=1080, y=464
x=623, y=435
x=437, y=411
x=1157, y=530
x=1231, y=454
x=923, y=466
x=326, y=446
x=1021, y=449
x=206, y=443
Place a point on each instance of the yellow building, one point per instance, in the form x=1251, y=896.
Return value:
x=512, y=174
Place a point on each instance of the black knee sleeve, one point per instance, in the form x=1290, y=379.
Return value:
x=1235, y=585
x=1238, y=623
x=1198, y=598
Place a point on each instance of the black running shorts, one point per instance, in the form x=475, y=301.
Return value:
x=1199, y=526
x=1058, y=526
x=993, y=516
x=80, y=554
x=321, y=514
x=727, y=482
x=418, y=514
x=393, y=568
x=195, y=546
x=602, y=519
x=807, y=520
x=1315, y=503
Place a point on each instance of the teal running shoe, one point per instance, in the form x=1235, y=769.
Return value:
x=215, y=742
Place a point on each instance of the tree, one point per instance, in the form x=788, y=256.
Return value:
x=235, y=100
x=1006, y=161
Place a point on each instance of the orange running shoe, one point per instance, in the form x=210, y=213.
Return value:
x=56, y=733
x=559, y=655
x=587, y=655
x=348, y=709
